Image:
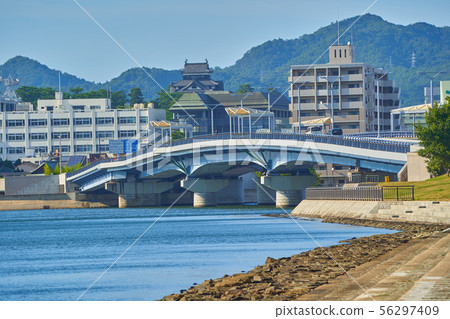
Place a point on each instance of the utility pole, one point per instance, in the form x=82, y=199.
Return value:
x=431, y=81
x=332, y=96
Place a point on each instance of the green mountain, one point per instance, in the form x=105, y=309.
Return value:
x=33, y=73
x=376, y=42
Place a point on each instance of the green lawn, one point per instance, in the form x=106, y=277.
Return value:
x=437, y=188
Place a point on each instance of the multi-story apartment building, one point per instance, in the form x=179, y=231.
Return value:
x=354, y=92
x=83, y=125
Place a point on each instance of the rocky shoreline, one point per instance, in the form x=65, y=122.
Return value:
x=291, y=277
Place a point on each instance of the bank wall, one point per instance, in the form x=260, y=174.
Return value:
x=57, y=201
x=408, y=211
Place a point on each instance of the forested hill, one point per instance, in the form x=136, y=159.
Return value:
x=376, y=41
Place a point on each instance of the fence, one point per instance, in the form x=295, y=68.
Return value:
x=376, y=193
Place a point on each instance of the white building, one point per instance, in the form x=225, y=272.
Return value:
x=84, y=126
x=354, y=89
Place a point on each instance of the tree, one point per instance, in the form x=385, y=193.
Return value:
x=47, y=170
x=136, y=96
x=165, y=101
x=76, y=92
x=435, y=138
x=272, y=89
x=245, y=88
x=57, y=170
x=118, y=98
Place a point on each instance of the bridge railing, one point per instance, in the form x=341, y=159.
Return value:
x=363, y=193
x=366, y=143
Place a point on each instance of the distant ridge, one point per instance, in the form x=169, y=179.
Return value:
x=376, y=41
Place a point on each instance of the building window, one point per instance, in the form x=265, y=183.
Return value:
x=323, y=113
x=127, y=120
x=95, y=107
x=64, y=135
x=37, y=122
x=38, y=136
x=80, y=135
x=130, y=133
x=104, y=120
x=78, y=107
x=353, y=71
x=305, y=100
x=143, y=120
x=355, y=126
x=15, y=137
x=16, y=150
x=40, y=149
x=15, y=123
x=60, y=122
x=305, y=114
x=64, y=149
x=82, y=121
x=83, y=148
x=104, y=148
x=353, y=112
x=104, y=134
x=354, y=99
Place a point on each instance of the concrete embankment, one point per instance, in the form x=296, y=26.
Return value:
x=427, y=212
x=56, y=201
x=300, y=276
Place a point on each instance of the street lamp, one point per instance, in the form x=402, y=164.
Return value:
x=60, y=155
x=378, y=79
x=332, y=96
x=269, y=106
x=212, y=116
x=431, y=81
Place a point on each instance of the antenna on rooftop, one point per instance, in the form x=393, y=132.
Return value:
x=338, y=27
x=59, y=81
x=390, y=61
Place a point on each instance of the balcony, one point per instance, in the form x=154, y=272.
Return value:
x=355, y=104
x=352, y=91
x=301, y=79
x=352, y=77
x=303, y=93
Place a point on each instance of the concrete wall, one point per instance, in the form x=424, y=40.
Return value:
x=417, y=168
x=56, y=201
x=408, y=211
x=31, y=185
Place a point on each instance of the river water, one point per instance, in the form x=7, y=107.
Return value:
x=57, y=254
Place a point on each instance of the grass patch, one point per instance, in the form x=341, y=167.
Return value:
x=433, y=189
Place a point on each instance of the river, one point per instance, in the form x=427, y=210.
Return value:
x=57, y=254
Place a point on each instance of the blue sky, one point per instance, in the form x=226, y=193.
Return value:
x=163, y=34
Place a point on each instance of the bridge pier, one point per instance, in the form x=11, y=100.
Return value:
x=139, y=194
x=204, y=190
x=289, y=188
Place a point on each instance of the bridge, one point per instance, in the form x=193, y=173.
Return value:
x=207, y=165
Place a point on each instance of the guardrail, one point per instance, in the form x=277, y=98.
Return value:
x=362, y=193
x=365, y=143
x=384, y=134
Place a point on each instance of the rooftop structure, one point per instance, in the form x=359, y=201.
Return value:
x=196, y=78
x=206, y=111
